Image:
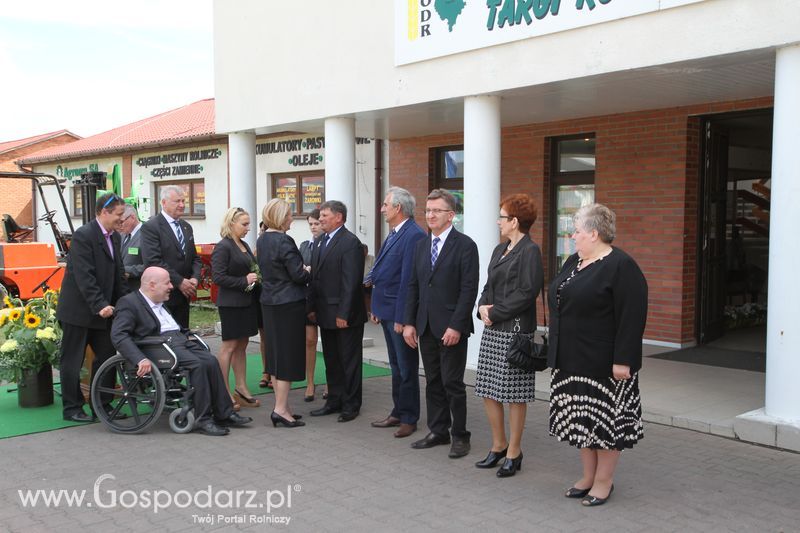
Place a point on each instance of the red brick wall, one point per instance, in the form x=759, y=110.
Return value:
x=647, y=172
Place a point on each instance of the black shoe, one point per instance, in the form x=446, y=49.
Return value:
x=577, y=493
x=592, y=501
x=210, y=428
x=460, y=448
x=278, y=419
x=347, y=416
x=109, y=409
x=325, y=410
x=80, y=416
x=491, y=459
x=308, y=398
x=510, y=466
x=297, y=417
x=235, y=420
x=430, y=441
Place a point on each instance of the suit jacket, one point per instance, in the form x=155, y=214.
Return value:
x=443, y=297
x=93, y=279
x=160, y=247
x=132, y=260
x=600, y=319
x=284, y=278
x=337, y=284
x=229, y=270
x=513, y=286
x=391, y=272
x=133, y=320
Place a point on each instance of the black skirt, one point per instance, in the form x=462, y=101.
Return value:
x=239, y=322
x=285, y=339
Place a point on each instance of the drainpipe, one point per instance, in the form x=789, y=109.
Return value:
x=378, y=195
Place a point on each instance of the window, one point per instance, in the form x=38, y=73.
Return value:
x=449, y=174
x=77, y=202
x=572, y=187
x=304, y=192
x=195, y=193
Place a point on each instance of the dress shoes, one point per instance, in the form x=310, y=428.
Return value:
x=277, y=419
x=459, y=448
x=325, y=410
x=80, y=416
x=210, y=428
x=573, y=492
x=235, y=420
x=430, y=441
x=405, y=430
x=347, y=416
x=388, y=422
x=593, y=501
x=510, y=466
x=491, y=460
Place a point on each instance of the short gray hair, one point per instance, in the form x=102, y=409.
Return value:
x=597, y=217
x=130, y=210
x=166, y=189
x=404, y=199
x=335, y=206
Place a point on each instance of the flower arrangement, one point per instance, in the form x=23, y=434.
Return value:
x=29, y=335
x=257, y=271
x=745, y=315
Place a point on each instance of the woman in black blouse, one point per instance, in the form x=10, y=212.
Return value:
x=232, y=271
x=508, y=305
x=283, y=304
x=312, y=330
x=598, y=309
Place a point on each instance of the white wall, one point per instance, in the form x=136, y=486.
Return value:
x=348, y=48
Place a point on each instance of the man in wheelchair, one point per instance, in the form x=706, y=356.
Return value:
x=142, y=314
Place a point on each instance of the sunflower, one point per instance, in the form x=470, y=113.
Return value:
x=32, y=321
x=15, y=314
x=2, y=319
x=7, y=301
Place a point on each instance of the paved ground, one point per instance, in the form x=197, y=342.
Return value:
x=356, y=478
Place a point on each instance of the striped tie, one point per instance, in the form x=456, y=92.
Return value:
x=434, y=250
x=179, y=233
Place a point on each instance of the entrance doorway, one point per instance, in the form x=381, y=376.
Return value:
x=734, y=230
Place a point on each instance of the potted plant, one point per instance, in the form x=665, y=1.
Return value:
x=29, y=341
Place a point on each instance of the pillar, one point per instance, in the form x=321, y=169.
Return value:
x=340, y=165
x=242, y=179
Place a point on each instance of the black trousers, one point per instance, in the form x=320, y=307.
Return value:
x=342, y=350
x=73, y=349
x=445, y=392
x=210, y=394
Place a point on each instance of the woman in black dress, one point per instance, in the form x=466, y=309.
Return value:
x=283, y=304
x=508, y=304
x=232, y=271
x=598, y=309
x=312, y=330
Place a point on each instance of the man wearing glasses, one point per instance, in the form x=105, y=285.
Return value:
x=441, y=296
x=92, y=284
x=131, y=247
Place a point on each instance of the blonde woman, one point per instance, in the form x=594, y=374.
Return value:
x=283, y=307
x=232, y=270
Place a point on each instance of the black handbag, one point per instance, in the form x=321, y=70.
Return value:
x=524, y=352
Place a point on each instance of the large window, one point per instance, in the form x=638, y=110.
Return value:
x=304, y=192
x=572, y=187
x=449, y=174
x=194, y=192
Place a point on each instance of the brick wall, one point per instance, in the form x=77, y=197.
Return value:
x=647, y=171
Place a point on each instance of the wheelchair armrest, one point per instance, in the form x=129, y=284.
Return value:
x=158, y=349
x=192, y=335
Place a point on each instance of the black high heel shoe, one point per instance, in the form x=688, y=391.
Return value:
x=278, y=419
x=573, y=492
x=593, y=501
x=491, y=460
x=510, y=466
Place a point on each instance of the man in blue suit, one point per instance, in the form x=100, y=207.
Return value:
x=389, y=279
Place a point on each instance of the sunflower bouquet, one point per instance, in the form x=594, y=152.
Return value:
x=29, y=335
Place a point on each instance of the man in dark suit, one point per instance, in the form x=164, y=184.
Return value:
x=141, y=314
x=130, y=247
x=168, y=242
x=92, y=284
x=336, y=303
x=441, y=297
x=389, y=279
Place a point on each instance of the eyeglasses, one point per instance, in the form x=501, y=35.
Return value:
x=507, y=217
x=111, y=199
x=438, y=211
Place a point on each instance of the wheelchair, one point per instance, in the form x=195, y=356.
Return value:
x=136, y=403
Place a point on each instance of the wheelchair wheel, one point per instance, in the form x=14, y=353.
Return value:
x=131, y=405
x=181, y=424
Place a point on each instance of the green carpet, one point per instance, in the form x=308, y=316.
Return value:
x=15, y=420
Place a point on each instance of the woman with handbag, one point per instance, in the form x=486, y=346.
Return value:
x=507, y=307
x=598, y=309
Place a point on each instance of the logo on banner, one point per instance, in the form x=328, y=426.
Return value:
x=421, y=13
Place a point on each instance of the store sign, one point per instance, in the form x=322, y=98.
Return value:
x=70, y=173
x=425, y=29
x=177, y=164
x=299, y=152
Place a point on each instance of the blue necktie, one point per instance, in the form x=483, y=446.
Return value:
x=435, y=250
x=392, y=233
x=325, y=239
x=179, y=233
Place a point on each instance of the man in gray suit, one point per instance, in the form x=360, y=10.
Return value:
x=131, y=247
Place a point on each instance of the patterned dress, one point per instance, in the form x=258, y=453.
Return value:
x=587, y=412
x=496, y=379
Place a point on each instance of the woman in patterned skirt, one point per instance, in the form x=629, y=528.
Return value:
x=508, y=304
x=598, y=308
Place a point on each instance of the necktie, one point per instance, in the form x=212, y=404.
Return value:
x=392, y=233
x=110, y=243
x=179, y=234
x=125, y=240
x=435, y=250
x=325, y=239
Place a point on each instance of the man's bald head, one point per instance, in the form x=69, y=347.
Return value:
x=156, y=284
